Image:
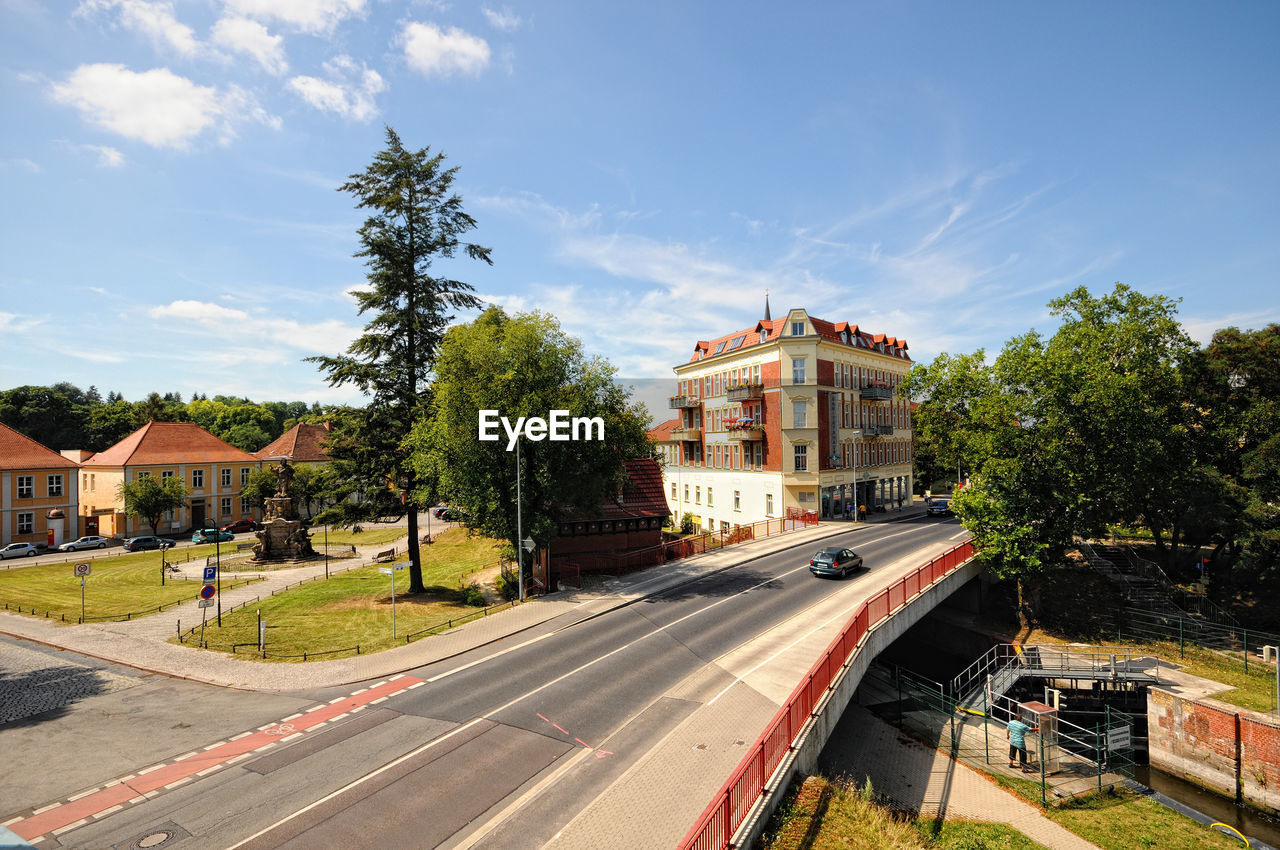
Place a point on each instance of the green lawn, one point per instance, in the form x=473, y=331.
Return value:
x=116, y=586
x=368, y=537
x=823, y=813
x=354, y=608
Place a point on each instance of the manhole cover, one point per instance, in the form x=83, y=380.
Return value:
x=161, y=835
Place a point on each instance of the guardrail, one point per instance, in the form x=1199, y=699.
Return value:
x=731, y=805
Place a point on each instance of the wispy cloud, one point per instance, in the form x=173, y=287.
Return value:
x=316, y=17
x=349, y=91
x=502, y=19
x=241, y=328
x=22, y=164
x=153, y=19
x=242, y=35
x=434, y=52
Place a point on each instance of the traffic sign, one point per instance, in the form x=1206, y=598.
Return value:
x=386, y=571
x=82, y=570
x=210, y=573
x=205, y=603
x=1119, y=738
x=528, y=544
x=208, y=591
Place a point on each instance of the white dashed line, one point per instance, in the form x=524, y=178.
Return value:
x=83, y=794
x=241, y=735
x=285, y=720
x=11, y=820
x=378, y=700
x=291, y=737
x=339, y=717
x=415, y=685
x=240, y=757
x=214, y=746
x=337, y=699
x=208, y=770
x=70, y=826
x=105, y=812
x=177, y=782
x=47, y=808
x=147, y=770
x=185, y=756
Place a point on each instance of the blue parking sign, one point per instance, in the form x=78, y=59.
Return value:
x=210, y=573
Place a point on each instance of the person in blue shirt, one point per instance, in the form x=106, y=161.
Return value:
x=1016, y=732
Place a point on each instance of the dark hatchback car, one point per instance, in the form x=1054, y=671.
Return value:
x=137, y=544
x=240, y=525
x=835, y=562
x=939, y=507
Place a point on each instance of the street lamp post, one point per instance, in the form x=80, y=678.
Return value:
x=326, y=550
x=519, y=524
x=217, y=548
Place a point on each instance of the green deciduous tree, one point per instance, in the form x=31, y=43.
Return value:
x=415, y=220
x=149, y=498
x=524, y=366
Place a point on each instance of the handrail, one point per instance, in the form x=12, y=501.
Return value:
x=734, y=801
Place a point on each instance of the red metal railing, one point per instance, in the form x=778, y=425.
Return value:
x=729, y=808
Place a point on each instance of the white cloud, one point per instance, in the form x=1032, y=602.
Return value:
x=432, y=51
x=157, y=106
x=504, y=19
x=317, y=17
x=8, y=320
x=250, y=37
x=104, y=356
x=154, y=19
x=23, y=163
x=108, y=157
x=240, y=328
x=350, y=90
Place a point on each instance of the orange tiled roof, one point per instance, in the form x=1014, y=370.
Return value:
x=171, y=443
x=643, y=495
x=835, y=332
x=18, y=451
x=301, y=443
x=661, y=433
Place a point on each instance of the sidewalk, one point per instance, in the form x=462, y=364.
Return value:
x=143, y=643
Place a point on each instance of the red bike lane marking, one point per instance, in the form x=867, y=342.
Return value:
x=153, y=779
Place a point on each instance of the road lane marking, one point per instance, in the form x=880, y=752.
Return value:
x=469, y=665
x=59, y=817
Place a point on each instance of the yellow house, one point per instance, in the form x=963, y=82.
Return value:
x=37, y=492
x=213, y=471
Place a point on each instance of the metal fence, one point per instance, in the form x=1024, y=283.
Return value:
x=1137, y=624
x=731, y=805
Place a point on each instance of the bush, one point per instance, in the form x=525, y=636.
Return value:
x=508, y=581
x=686, y=524
x=470, y=594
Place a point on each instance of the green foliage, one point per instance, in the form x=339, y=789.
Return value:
x=415, y=220
x=149, y=498
x=508, y=581
x=686, y=524
x=524, y=366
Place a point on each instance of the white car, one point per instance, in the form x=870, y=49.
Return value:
x=93, y=541
x=20, y=550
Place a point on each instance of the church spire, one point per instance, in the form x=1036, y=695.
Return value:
x=767, y=316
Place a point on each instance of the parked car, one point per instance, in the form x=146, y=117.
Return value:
x=208, y=535
x=93, y=541
x=138, y=544
x=240, y=525
x=939, y=507
x=439, y=512
x=22, y=550
x=831, y=562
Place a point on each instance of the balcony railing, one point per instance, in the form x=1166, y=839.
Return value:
x=870, y=431
x=745, y=392
x=678, y=402
x=873, y=392
x=746, y=432
x=884, y=430
x=686, y=434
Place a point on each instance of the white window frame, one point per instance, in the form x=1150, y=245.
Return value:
x=799, y=414
x=224, y=505
x=197, y=479
x=797, y=328
x=225, y=476
x=768, y=504
x=26, y=486
x=798, y=371
x=801, y=458
x=26, y=522
x=53, y=486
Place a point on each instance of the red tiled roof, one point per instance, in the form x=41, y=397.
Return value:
x=172, y=443
x=301, y=443
x=661, y=433
x=827, y=330
x=642, y=496
x=18, y=451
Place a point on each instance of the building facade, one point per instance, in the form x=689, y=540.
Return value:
x=791, y=415
x=213, y=471
x=38, y=493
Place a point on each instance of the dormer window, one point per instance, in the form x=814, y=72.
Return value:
x=763, y=336
x=797, y=328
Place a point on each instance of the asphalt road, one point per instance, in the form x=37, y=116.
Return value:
x=444, y=763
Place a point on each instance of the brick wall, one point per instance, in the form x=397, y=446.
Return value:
x=1216, y=745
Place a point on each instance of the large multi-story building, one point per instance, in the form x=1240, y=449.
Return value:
x=790, y=415
x=213, y=471
x=37, y=492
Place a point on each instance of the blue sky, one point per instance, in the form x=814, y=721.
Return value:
x=645, y=171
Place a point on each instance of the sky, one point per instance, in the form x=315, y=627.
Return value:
x=645, y=172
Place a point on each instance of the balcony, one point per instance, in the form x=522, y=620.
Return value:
x=694, y=434
x=870, y=431
x=746, y=432
x=884, y=430
x=745, y=392
x=876, y=392
x=678, y=402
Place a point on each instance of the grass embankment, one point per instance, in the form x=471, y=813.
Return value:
x=354, y=608
x=116, y=586
x=1122, y=819
x=824, y=813
x=365, y=537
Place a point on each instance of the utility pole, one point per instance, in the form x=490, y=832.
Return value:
x=519, y=524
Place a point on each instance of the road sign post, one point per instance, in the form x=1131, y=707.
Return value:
x=82, y=570
x=391, y=571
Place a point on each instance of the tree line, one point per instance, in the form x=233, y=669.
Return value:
x=63, y=416
x=1118, y=419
